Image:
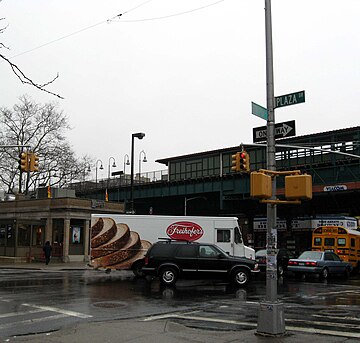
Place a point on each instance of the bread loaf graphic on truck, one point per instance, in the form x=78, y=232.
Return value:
x=121, y=241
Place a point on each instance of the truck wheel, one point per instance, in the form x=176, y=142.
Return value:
x=324, y=274
x=136, y=269
x=168, y=276
x=241, y=277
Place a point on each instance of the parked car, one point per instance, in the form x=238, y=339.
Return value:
x=171, y=260
x=322, y=263
x=282, y=258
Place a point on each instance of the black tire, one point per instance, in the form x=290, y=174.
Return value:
x=136, y=269
x=168, y=276
x=324, y=274
x=241, y=277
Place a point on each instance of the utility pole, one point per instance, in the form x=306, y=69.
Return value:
x=271, y=313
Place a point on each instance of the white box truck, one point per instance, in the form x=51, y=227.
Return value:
x=121, y=241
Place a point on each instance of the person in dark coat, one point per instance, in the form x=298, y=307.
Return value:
x=47, y=252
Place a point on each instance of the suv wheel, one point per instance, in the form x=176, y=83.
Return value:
x=168, y=276
x=240, y=277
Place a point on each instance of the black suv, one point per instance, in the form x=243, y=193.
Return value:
x=170, y=260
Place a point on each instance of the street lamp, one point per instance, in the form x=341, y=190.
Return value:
x=138, y=135
x=144, y=160
x=86, y=170
x=114, y=166
x=126, y=162
x=96, y=169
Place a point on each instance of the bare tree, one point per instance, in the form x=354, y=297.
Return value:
x=41, y=127
x=21, y=75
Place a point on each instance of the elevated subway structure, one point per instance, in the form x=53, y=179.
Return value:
x=207, y=179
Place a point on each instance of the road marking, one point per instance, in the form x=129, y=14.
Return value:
x=59, y=310
x=32, y=321
x=254, y=325
x=20, y=313
x=337, y=317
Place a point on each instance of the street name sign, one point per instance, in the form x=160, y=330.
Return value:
x=282, y=130
x=289, y=99
x=259, y=111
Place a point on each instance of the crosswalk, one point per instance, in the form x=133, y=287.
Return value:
x=33, y=318
x=314, y=322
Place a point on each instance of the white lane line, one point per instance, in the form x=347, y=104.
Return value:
x=288, y=327
x=32, y=321
x=20, y=313
x=355, y=319
x=59, y=310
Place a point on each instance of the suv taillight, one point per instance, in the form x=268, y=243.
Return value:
x=146, y=260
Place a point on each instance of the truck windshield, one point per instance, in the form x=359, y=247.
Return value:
x=238, y=237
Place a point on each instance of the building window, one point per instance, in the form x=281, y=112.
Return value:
x=38, y=235
x=24, y=235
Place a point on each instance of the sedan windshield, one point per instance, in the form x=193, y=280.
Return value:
x=311, y=255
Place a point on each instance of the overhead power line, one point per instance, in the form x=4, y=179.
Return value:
x=118, y=17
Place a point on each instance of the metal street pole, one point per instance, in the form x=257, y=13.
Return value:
x=271, y=313
x=139, y=135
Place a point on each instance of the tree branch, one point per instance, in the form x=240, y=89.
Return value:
x=25, y=80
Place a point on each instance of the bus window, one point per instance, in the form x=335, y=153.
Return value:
x=329, y=241
x=341, y=242
x=352, y=242
x=317, y=241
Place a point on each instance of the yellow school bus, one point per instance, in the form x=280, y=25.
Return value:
x=344, y=242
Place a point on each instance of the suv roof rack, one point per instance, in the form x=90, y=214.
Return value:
x=176, y=240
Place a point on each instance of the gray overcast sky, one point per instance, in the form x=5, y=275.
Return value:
x=187, y=81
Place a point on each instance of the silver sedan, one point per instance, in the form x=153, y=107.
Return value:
x=322, y=263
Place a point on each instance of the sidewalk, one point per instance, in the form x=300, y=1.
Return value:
x=43, y=266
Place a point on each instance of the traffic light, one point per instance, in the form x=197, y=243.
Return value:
x=235, y=162
x=34, y=162
x=24, y=162
x=244, y=161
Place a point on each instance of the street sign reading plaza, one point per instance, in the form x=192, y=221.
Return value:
x=282, y=130
x=289, y=99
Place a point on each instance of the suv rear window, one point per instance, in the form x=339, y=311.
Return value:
x=162, y=250
x=187, y=251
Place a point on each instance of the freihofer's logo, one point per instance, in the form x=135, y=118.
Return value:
x=185, y=231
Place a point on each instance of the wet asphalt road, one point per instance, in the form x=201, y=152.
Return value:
x=44, y=301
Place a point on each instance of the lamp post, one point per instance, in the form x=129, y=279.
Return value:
x=114, y=166
x=126, y=163
x=138, y=135
x=144, y=160
x=271, y=319
x=87, y=169
x=96, y=169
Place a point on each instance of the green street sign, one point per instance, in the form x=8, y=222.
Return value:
x=259, y=111
x=289, y=99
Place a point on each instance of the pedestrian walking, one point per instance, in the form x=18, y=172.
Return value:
x=47, y=252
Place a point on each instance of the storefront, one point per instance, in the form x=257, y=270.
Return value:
x=25, y=225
